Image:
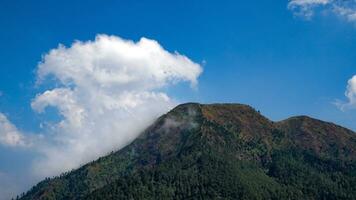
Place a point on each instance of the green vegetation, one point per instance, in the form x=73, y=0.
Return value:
x=223, y=151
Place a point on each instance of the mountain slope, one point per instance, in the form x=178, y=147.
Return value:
x=219, y=151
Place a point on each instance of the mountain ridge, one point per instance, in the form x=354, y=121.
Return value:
x=228, y=139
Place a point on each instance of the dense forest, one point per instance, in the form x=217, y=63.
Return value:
x=219, y=151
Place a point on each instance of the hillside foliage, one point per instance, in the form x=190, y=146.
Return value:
x=220, y=151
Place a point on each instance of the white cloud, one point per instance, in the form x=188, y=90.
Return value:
x=350, y=94
x=9, y=135
x=109, y=92
x=349, y=13
x=306, y=8
x=345, y=9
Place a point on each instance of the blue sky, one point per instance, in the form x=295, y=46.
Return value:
x=255, y=53
x=261, y=53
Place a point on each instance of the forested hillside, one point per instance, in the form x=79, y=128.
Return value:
x=219, y=151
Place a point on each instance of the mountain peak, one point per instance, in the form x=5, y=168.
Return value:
x=219, y=151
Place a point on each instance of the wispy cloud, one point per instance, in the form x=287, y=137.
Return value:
x=8, y=186
x=345, y=9
x=348, y=13
x=9, y=135
x=350, y=94
x=305, y=8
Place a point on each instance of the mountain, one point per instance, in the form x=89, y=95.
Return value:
x=219, y=151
